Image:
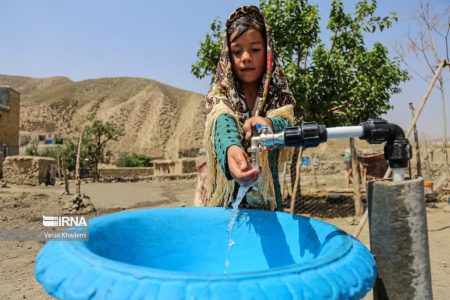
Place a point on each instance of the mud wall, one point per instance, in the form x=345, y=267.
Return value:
x=29, y=170
x=125, y=173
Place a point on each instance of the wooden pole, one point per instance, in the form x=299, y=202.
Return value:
x=444, y=121
x=58, y=165
x=441, y=64
x=356, y=180
x=416, y=140
x=296, y=194
x=77, y=168
x=66, y=180
x=427, y=158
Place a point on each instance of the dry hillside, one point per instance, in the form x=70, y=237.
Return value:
x=158, y=120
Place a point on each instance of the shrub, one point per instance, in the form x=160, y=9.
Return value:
x=130, y=160
x=32, y=149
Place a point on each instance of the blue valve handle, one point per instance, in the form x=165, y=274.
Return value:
x=257, y=129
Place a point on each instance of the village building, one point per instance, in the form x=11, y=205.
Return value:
x=29, y=170
x=44, y=133
x=9, y=121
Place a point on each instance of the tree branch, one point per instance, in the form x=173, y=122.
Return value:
x=426, y=19
x=333, y=42
x=446, y=38
x=424, y=53
x=402, y=59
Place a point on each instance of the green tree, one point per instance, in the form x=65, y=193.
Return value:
x=209, y=53
x=340, y=84
x=66, y=152
x=69, y=154
x=97, y=134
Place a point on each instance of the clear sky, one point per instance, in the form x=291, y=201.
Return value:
x=158, y=39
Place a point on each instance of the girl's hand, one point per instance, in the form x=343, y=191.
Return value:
x=239, y=167
x=253, y=121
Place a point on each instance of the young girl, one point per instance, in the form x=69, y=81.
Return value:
x=247, y=89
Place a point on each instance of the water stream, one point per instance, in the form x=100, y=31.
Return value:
x=235, y=205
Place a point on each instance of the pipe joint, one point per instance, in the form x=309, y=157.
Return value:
x=397, y=149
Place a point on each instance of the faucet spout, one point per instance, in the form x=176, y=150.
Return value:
x=254, y=148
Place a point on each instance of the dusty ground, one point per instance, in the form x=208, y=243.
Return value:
x=22, y=208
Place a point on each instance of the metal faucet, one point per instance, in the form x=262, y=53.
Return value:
x=263, y=136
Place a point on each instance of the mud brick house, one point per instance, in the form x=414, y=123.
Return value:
x=9, y=121
x=29, y=170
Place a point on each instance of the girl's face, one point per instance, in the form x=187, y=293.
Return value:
x=248, y=55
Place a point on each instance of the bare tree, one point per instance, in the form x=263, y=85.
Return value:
x=431, y=44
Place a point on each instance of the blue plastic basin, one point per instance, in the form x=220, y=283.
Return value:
x=181, y=253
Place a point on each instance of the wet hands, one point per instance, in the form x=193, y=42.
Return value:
x=239, y=166
x=238, y=160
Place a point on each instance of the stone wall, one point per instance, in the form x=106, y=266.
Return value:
x=174, y=167
x=109, y=174
x=163, y=169
x=29, y=170
x=9, y=118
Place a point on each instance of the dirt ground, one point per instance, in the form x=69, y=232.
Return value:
x=22, y=207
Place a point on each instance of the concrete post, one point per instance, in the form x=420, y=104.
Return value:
x=399, y=239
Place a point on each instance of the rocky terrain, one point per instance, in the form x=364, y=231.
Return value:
x=158, y=120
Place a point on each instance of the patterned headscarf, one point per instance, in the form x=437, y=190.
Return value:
x=273, y=92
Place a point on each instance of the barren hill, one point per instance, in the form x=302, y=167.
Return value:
x=158, y=120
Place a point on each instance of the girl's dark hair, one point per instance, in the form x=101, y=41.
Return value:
x=244, y=23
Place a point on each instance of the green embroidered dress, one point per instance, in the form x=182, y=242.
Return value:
x=227, y=134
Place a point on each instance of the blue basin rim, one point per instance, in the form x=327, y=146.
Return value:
x=70, y=270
